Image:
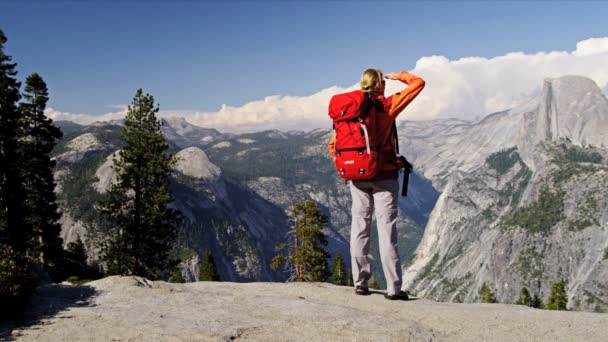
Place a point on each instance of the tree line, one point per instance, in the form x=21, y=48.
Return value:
x=558, y=298
x=143, y=226
x=29, y=216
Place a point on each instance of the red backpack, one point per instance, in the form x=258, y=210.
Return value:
x=354, y=121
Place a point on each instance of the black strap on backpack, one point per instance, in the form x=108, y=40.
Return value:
x=406, y=167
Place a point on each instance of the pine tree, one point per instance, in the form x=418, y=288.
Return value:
x=373, y=283
x=15, y=284
x=339, y=276
x=524, y=298
x=176, y=276
x=558, y=299
x=77, y=251
x=39, y=137
x=14, y=231
x=208, y=271
x=537, y=302
x=144, y=227
x=305, y=258
x=487, y=296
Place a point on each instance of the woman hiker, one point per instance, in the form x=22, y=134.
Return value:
x=381, y=192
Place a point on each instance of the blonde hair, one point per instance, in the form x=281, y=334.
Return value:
x=370, y=79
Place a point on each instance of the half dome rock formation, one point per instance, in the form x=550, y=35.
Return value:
x=570, y=107
x=136, y=309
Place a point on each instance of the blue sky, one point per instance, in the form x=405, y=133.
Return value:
x=198, y=56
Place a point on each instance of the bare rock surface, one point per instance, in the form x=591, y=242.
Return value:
x=135, y=309
x=106, y=176
x=85, y=142
x=193, y=162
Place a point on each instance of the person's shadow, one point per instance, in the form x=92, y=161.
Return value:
x=383, y=292
x=47, y=301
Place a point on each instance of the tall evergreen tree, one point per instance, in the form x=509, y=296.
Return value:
x=339, y=276
x=305, y=258
x=208, y=271
x=15, y=284
x=558, y=299
x=14, y=231
x=144, y=226
x=39, y=137
x=524, y=297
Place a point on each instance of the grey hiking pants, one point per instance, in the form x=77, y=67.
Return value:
x=382, y=196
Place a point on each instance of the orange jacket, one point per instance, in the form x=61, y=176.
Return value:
x=393, y=105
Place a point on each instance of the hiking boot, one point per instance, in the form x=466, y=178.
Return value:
x=362, y=291
x=399, y=296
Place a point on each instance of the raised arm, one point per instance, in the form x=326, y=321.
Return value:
x=400, y=100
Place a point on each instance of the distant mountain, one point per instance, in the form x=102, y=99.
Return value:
x=524, y=201
x=68, y=126
x=184, y=134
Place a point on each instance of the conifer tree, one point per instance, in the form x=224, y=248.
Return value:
x=144, y=227
x=305, y=258
x=537, y=301
x=373, y=283
x=208, y=271
x=524, y=297
x=487, y=296
x=14, y=231
x=339, y=275
x=15, y=284
x=558, y=299
x=39, y=137
x=176, y=276
x=77, y=251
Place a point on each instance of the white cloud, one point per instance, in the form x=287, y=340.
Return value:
x=466, y=88
x=86, y=119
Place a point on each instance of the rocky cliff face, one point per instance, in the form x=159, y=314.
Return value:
x=530, y=215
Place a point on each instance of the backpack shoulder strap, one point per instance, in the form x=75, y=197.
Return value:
x=394, y=133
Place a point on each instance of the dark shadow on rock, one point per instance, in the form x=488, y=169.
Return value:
x=47, y=302
x=383, y=292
